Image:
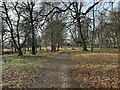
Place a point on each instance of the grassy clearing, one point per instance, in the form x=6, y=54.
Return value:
x=90, y=69
x=21, y=70
x=96, y=69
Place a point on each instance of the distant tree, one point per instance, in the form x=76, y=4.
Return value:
x=114, y=20
x=54, y=30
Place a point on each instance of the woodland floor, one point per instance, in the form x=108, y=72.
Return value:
x=66, y=69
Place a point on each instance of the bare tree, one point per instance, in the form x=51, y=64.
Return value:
x=54, y=31
x=77, y=14
x=32, y=15
x=14, y=24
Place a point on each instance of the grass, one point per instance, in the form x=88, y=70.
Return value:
x=21, y=70
x=90, y=69
x=97, y=69
x=28, y=58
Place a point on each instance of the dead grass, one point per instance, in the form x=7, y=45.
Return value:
x=96, y=69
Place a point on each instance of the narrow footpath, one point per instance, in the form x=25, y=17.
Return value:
x=57, y=74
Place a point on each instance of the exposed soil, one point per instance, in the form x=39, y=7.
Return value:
x=57, y=75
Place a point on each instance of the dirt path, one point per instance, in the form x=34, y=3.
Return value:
x=57, y=74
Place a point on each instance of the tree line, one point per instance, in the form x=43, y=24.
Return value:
x=38, y=24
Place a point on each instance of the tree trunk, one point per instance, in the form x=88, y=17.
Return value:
x=81, y=34
x=40, y=48
x=2, y=48
x=53, y=48
x=73, y=46
x=24, y=50
x=46, y=47
x=36, y=49
x=28, y=48
x=84, y=45
x=58, y=47
x=33, y=49
x=33, y=33
x=33, y=43
x=15, y=49
x=92, y=42
x=19, y=52
x=2, y=39
x=100, y=42
x=12, y=46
